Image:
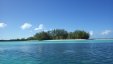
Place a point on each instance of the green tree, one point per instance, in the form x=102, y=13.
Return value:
x=41, y=36
x=58, y=34
x=78, y=34
x=70, y=35
x=31, y=38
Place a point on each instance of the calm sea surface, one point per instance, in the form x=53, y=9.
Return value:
x=57, y=52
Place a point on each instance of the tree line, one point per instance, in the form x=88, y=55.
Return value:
x=60, y=34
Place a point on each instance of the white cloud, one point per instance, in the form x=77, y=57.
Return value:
x=106, y=32
x=26, y=26
x=2, y=25
x=91, y=33
x=40, y=28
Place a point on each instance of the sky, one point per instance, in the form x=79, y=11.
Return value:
x=24, y=18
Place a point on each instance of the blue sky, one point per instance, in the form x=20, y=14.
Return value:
x=24, y=18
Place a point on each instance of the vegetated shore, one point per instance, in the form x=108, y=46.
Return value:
x=47, y=40
x=60, y=40
x=66, y=39
x=12, y=40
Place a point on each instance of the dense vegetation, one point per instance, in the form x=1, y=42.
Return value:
x=42, y=36
x=78, y=35
x=60, y=34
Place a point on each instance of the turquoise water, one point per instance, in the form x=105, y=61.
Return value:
x=57, y=52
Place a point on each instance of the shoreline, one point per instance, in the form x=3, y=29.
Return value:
x=66, y=40
x=56, y=40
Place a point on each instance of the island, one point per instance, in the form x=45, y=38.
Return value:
x=56, y=34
